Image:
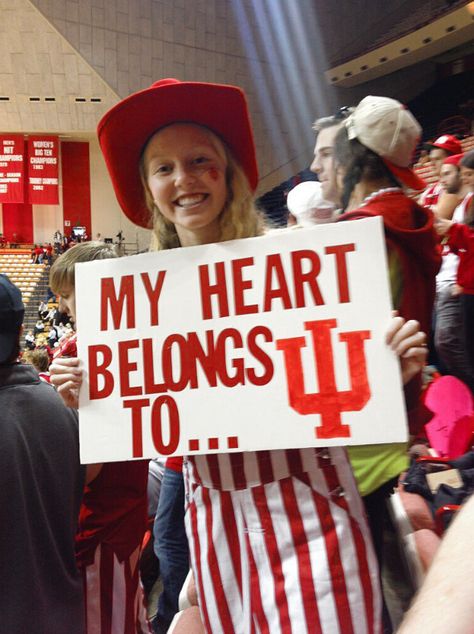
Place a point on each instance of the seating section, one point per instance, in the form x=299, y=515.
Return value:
x=21, y=271
x=424, y=170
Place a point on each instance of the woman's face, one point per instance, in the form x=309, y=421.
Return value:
x=186, y=175
x=467, y=177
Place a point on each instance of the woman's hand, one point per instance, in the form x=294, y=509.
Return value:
x=66, y=376
x=409, y=343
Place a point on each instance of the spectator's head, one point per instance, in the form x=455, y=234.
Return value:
x=450, y=175
x=326, y=129
x=375, y=146
x=38, y=358
x=444, y=146
x=62, y=276
x=12, y=311
x=41, y=340
x=306, y=204
x=467, y=169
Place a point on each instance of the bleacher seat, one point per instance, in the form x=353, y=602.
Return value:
x=21, y=271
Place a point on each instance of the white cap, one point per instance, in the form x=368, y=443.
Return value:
x=306, y=203
x=387, y=128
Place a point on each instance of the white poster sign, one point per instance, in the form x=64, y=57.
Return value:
x=265, y=343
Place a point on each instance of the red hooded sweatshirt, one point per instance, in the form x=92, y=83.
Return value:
x=412, y=250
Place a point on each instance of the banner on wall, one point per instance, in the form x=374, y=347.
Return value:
x=43, y=170
x=12, y=150
x=265, y=343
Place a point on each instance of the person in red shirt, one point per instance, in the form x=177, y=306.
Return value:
x=113, y=515
x=37, y=254
x=444, y=146
x=49, y=252
x=459, y=237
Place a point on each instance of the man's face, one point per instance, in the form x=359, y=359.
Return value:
x=67, y=302
x=450, y=179
x=437, y=156
x=323, y=163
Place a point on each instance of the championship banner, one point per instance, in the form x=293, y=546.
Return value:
x=265, y=343
x=43, y=174
x=12, y=150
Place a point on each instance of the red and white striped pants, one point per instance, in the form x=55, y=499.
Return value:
x=292, y=556
x=113, y=594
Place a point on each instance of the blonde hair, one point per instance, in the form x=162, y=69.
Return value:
x=38, y=358
x=239, y=217
x=61, y=275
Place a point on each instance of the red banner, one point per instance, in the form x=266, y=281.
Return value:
x=43, y=170
x=12, y=148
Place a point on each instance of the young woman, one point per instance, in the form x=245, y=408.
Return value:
x=278, y=539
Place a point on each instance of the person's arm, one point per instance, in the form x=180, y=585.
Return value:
x=447, y=203
x=445, y=603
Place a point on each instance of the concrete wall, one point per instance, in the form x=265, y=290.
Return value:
x=106, y=49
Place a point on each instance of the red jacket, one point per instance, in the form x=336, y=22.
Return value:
x=409, y=233
x=461, y=242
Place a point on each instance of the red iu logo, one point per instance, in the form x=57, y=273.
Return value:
x=329, y=403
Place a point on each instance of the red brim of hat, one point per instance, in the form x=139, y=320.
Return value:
x=406, y=176
x=125, y=129
x=454, y=159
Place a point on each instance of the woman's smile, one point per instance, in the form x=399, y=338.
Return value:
x=186, y=176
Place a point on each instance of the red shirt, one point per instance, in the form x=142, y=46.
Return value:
x=113, y=510
x=429, y=198
x=174, y=463
x=115, y=504
x=67, y=347
x=461, y=242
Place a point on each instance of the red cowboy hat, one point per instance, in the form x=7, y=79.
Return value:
x=125, y=129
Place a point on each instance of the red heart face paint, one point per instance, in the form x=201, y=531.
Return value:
x=213, y=173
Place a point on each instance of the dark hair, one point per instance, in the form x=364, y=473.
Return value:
x=359, y=163
x=468, y=160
